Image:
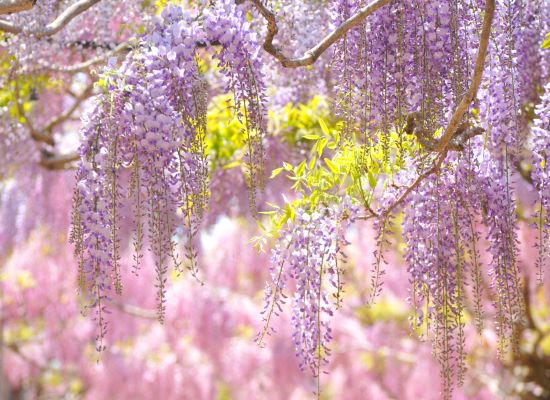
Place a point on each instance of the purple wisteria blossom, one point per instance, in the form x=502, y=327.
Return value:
x=310, y=252
x=151, y=121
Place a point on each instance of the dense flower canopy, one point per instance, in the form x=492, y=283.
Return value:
x=441, y=109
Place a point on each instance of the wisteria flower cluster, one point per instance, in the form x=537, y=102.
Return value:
x=541, y=176
x=151, y=121
x=402, y=72
x=310, y=252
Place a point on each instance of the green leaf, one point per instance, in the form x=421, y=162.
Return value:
x=232, y=165
x=324, y=127
x=331, y=165
x=301, y=168
x=311, y=137
x=372, y=179
x=276, y=172
x=546, y=43
x=287, y=166
x=268, y=212
x=321, y=146
x=312, y=162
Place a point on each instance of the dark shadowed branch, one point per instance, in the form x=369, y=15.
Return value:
x=56, y=162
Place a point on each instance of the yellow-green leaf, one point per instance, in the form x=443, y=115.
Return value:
x=331, y=165
x=321, y=146
x=324, y=127
x=276, y=172
x=372, y=179
x=232, y=165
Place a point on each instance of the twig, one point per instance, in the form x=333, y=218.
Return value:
x=69, y=112
x=121, y=48
x=415, y=184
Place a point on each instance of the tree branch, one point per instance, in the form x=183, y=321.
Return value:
x=461, y=135
x=57, y=162
x=36, y=135
x=13, y=6
x=56, y=25
x=314, y=53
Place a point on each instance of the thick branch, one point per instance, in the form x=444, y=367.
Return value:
x=56, y=25
x=13, y=6
x=461, y=135
x=314, y=53
x=56, y=162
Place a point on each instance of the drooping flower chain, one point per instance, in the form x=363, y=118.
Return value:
x=310, y=252
x=143, y=154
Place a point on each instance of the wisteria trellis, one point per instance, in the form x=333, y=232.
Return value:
x=408, y=67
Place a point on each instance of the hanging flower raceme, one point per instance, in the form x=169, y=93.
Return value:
x=144, y=148
x=499, y=207
x=541, y=176
x=403, y=70
x=436, y=264
x=409, y=58
x=441, y=233
x=530, y=34
x=240, y=62
x=309, y=252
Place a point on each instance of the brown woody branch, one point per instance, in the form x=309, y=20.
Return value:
x=57, y=162
x=479, y=67
x=314, y=53
x=56, y=25
x=35, y=134
x=461, y=135
x=13, y=6
x=48, y=159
